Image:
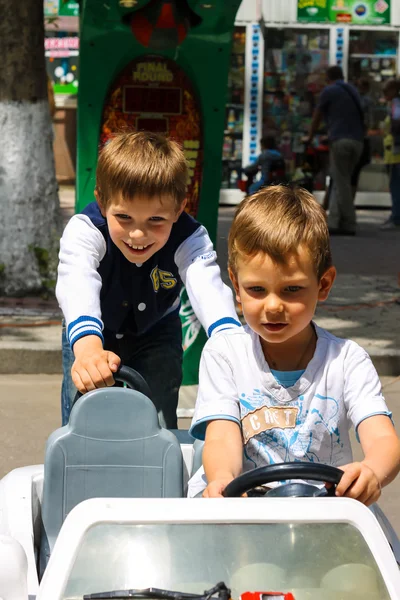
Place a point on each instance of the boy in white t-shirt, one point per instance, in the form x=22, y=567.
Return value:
x=283, y=389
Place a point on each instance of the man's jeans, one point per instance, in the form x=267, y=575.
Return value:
x=394, y=184
x=156, y=355
x=344, y=156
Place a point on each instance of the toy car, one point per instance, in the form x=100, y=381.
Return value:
x=106, y=517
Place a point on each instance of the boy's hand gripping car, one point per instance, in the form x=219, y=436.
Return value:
x=107, y=512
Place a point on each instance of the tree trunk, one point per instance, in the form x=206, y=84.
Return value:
x=30, y=221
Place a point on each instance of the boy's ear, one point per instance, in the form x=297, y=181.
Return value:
x=326, y=283
x=180, y=210
x=235, y=284
x=98, y=200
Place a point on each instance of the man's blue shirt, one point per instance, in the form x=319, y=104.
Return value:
x=340, y=111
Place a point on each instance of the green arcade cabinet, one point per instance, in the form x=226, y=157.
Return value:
x=158, y=65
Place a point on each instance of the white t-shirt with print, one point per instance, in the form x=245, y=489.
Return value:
x=309, y=421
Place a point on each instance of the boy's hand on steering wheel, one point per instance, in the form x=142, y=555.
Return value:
x=216, y=487
x=93, y=367
x=359, y=482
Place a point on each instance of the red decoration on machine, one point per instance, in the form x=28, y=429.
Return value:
x=153, y=93
x=262, y=595
x=161, y=24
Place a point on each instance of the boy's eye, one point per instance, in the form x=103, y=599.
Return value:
x=123, y=217
x=293, y=288
x=157, y=219
x=256, y=288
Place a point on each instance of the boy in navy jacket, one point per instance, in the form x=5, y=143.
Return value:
x=123, y=261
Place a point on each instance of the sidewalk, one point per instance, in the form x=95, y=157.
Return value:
x=30, y=328
x=363, y=304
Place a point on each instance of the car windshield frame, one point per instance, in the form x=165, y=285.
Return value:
x=96, y=512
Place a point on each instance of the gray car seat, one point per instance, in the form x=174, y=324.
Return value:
x=197, y=456
x=113, y=446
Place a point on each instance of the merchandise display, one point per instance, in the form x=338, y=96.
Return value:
x=233, y=134
x=294, y=74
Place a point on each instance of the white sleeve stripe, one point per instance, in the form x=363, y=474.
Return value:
x=84, y=323
x=80, y=331
x=82, y=320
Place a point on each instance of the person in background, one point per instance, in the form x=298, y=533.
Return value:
x=269, y=154
x=340, y=106
x=365, y=158
x=391, y=143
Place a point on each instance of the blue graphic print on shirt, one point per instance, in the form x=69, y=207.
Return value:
x=298, y=433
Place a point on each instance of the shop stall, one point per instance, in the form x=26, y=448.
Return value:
x=278, y=70
x=62, y=64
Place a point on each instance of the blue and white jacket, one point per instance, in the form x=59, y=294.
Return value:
x=99, y=288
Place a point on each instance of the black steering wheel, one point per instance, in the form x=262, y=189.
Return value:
x=133, y=379
x=291, y=470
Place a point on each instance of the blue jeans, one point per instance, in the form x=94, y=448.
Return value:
x=257, y=185
x=394, y=185
x=156, y=354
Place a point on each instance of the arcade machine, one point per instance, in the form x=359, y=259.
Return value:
x=158, y=65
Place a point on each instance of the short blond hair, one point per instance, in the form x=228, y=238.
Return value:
x=142, y=163
x=276, y=221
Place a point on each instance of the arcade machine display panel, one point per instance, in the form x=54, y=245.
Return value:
x=153, y=93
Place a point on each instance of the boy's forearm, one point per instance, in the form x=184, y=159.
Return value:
x=383, y=457
x=222, y=460
x=88, y=344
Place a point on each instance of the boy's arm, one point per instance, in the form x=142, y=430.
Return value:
x=217, y=412
x=82, y=247
x=211, y=299
x=222, y=456
x=371, y=418
x=381, y=446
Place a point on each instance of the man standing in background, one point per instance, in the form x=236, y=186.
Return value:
x=340, y=106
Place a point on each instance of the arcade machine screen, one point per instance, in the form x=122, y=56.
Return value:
x=153, y=93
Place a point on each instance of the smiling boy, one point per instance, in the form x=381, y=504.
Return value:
x=283, y=389
x=123, y=261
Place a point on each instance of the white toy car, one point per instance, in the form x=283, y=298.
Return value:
x=105, y=518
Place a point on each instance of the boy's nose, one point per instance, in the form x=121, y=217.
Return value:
x=273, y=304
x=137, y=233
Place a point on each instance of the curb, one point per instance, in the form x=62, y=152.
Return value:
x=29, y=361
x=47, y=361
x=386, y=362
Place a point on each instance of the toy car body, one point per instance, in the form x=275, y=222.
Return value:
x=314, y=548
